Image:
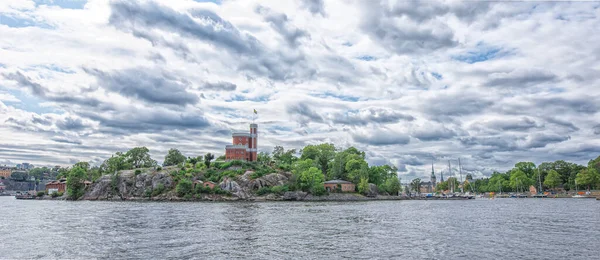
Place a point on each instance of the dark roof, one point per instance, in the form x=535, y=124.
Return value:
x=338, y=182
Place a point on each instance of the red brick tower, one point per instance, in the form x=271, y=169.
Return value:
x=253, y=143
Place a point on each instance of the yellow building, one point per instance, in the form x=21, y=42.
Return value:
x=5, y=172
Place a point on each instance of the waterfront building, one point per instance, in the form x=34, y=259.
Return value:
x=339, y=186
x=56, y=186
x=432, y=177
x=243, y=145
x=5, y=172
x=209, y=184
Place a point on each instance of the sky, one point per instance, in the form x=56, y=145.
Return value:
x=410, y=83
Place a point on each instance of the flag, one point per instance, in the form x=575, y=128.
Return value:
x=255, y=111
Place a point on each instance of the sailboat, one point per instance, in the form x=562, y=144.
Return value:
x=540, y=193
x=577, y=196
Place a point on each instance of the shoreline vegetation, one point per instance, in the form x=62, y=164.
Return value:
x=288, y=175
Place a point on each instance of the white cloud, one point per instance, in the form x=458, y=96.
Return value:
x=493, y=83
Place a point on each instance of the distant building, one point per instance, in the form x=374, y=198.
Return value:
x=243, y=145
x=56, y=186
x=429, y=187
x=5, y=172
x=339, y=186
x=209, y=184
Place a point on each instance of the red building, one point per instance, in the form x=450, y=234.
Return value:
x=243, y=145
x=56, y=186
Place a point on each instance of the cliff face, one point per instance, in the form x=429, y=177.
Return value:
x=161, y=186
x=126, y=185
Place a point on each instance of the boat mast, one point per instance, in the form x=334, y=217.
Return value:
x=540, y=181
x=462, y=188
x=450, y=173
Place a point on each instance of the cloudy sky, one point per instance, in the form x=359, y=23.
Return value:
x=491, y=83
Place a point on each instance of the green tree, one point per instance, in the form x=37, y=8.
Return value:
x=174, y=157
x=94, y=173
x=357, y=169
x=363, y=186
x=184, y=187
x=322, y=154
x=116, y=162
x=82, y=165
x=311, y=179
x=19, y=176
x=526, y=167
x=441, y=186
x=139, y=157
x=519, y=180
x=415, y=184
x=586, y=177
x=75, y=185
x=552, y=179
x=392, y=186
x=263, y=158
x=207, y=158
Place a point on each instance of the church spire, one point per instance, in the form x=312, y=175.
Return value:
x=433, y=181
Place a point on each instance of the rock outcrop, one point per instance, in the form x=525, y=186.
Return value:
x=127, y=185
x=373, y=191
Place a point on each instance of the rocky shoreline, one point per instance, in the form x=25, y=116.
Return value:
x=289, y=196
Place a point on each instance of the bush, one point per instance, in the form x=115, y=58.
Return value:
x=158, y=190
x=41, y=193
x=188, y=196
x=263, y=191
x=261, y=172
x=149, y=193
x=224, y=166
x=218, y=190
x=57, y=194
x=279, y=190
x=138, y=172
x=159, y=168
x=184, y=187
x=319, y=190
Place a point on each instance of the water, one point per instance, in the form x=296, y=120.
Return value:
x=474, y=229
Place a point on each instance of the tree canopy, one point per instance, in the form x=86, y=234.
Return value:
x=174, y=157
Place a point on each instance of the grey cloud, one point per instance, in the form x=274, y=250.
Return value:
x=519, y=78
x=71, y=124
x=134, y=16
x=563, y=123
x=315, y=6
x=434, y=133
x=597, y=130
x=66, y=140
x=517, y=124
x=147, y=120
x=499, y=143
x=41, y=120
x=368, y=116
x=40, y=91
x=144, y=19
x=409, y=36
x=304, y=114
x=380, y=137
x=540, y=140
x=442, y=107
x=221, y=85
x=147, y=85
x=587, y=105
x=25, y=81
x=280, y=23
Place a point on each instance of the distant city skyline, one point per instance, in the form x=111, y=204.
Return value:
x=491, y=83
